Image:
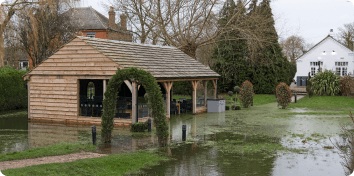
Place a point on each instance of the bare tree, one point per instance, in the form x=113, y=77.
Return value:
x=11, y=8
x=346, y=35
x=293, y=47
x=44, y=29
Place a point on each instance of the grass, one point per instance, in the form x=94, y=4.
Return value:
x=258, y=99
x=325, y=102
x=11, y=113
x=56, y=149
x=177, y=97
x=118, y=164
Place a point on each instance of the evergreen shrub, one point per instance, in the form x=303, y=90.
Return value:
x=237, y=89
x=139, y=127
x=309, y=89
x=227, y=107
x=246, y=94
x=326, y=83
x=284, y=95
x=346, y=85
x=230, y=93
x=13, y=93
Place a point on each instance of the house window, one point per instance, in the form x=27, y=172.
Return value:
x=23, y=65
x=344, y=71
x=313, y=71
x=341, y=68
x=91, y=34
x=338, y=70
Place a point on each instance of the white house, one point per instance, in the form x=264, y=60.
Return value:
x=328, y=54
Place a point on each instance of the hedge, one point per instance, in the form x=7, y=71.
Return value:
x=13, y=93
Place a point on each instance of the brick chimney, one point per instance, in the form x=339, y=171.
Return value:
x=112, y=18
x=123, y=22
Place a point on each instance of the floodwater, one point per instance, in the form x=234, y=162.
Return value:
x=261, y=140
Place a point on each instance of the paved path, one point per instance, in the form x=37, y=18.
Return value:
x=48, y=159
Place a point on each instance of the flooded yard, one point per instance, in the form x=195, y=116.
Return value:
x=260, y=140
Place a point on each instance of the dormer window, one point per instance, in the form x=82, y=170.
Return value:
x=91, y=34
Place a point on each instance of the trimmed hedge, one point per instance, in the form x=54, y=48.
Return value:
x=13, y=93
x=284, y=95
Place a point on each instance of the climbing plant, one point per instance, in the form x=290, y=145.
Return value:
x=154, y=95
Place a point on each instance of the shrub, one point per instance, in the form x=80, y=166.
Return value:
x=237, y=89
x=230, y=93
x=246, y=94
x=227, y=107
x=13, y=94
x=237, y=107
x=326, y=83
x=284, y=95
x=346, y=85
x=139, y=127
x=309, y=89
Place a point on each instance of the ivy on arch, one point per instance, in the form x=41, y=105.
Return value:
x=154, y=94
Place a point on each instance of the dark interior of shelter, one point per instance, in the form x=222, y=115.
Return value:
x=91, y=98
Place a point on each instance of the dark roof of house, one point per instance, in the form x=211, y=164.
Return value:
x=328, y=36
x=88, y=18
x=161, y=61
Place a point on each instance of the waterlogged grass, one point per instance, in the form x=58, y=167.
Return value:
x=325, y=102
x=13, y=113
x=118, y=164
x=56, y=149
x=321, y=113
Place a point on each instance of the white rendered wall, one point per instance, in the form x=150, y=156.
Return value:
x=328, y=58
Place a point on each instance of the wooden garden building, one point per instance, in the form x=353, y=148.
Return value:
x=69, y=86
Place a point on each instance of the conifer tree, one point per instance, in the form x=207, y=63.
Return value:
x=231, y=51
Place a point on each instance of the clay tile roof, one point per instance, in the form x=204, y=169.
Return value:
x=161, y=61
x=88, y=18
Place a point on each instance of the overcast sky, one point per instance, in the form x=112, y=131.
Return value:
x=311, y=19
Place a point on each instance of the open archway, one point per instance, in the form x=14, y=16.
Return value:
x=155, y=96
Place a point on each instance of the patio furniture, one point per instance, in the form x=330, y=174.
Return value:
x=183, y=106
x=173, y=108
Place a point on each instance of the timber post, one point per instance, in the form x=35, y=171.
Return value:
x=168, y=86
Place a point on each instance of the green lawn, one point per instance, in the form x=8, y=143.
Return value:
x=325, y=102
x=11, y=113
x=258, y=99
x=117, y=164
x=56, y=149
x=177, y=97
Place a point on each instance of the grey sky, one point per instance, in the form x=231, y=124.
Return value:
x=311, y=19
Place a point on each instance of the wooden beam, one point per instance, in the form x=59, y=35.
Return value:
x=29, y=98
x=194, y=97
x=127, y=82
x=104, y=87
x=78, y=98
x=205, y=83
x=185, y=79
x=168, y=86
x=134, y=107
x=215, y=86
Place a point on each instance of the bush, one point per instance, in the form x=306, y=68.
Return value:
x=13, y=94
x=227, y=107
x=237, y=89
x=326, y=83
x=284, y=95
x=234, y=107
x=230, y=93
x=309, y=89
x=346, y=85
x=246, y=94
x=139, y=127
